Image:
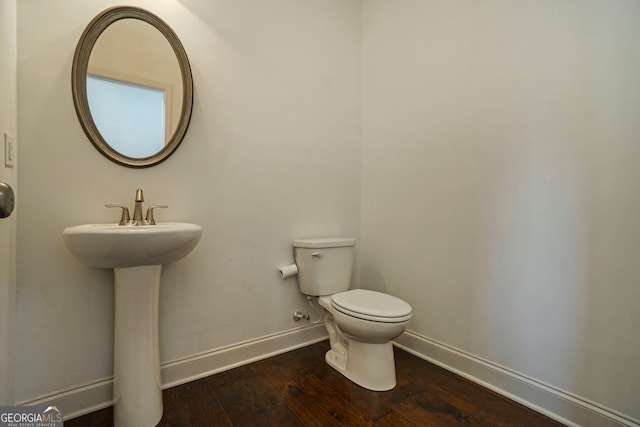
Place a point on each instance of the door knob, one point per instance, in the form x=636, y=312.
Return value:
x=7, y=200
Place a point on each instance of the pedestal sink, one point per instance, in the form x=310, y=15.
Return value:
x=136, y=253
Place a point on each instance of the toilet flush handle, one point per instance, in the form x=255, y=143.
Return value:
x=317, y=254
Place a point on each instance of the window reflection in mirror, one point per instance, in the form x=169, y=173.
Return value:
x=131, y=64
x=130, y=116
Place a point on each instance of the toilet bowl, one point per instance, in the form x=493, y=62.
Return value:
x=371, y=316
x=361, y=323
x=361, y=346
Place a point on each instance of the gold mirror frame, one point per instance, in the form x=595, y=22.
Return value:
x=79, y=84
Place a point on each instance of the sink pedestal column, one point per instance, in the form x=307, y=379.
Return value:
x=137, y=393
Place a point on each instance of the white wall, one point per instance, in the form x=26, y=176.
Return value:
x=9, y=125
x=272, y=154
x=500, y=182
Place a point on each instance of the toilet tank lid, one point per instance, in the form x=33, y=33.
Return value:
x=324, y=242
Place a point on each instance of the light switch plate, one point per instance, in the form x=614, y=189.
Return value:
x=9, y=151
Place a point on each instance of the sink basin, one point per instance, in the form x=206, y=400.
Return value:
x=123, y=246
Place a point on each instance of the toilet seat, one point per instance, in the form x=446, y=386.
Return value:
x=371, y=305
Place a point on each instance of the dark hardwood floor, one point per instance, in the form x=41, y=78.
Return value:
x=299, y=389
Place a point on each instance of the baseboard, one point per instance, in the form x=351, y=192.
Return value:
x=82, y=399
x=211, y=362
x=560, y=405
x=79, y=399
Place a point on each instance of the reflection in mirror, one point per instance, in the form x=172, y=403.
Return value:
x=131, y=117
x=132, y=86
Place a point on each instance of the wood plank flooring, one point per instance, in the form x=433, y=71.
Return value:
x=299, y=389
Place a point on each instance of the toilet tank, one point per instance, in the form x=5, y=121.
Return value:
x=324, y=264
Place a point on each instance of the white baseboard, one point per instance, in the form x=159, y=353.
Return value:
x=560, y=405
x=211, y=362
x=83, y=399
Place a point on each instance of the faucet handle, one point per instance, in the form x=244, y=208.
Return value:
x=125, y=218
x=149, y=218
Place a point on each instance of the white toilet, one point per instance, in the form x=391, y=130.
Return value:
x=361, y=323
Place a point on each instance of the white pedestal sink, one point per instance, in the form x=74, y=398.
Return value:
x=136, y=253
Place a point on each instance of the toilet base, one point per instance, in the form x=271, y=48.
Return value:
x=371, y=366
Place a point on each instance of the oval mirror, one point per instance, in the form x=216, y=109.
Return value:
x=132, y=86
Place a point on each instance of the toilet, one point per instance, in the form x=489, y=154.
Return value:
x=361, y=323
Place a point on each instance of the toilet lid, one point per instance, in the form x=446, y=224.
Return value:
x=371, y=305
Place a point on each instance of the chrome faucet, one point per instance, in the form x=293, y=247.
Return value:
x=137, y=212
